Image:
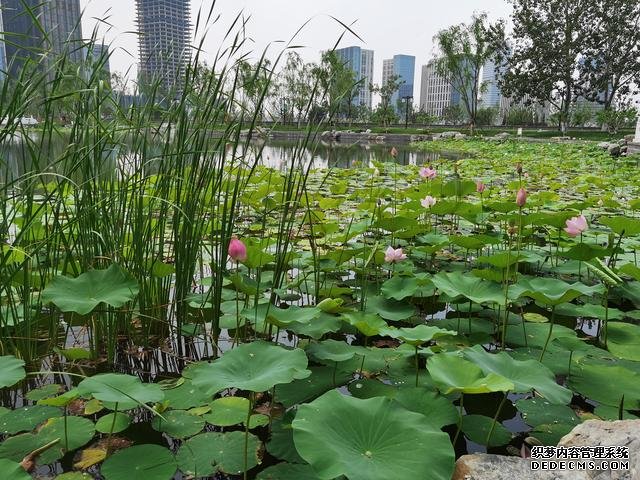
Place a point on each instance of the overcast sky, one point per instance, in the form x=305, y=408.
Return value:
x=385, y=26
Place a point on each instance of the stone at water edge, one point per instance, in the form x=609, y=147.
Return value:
x=624, y=433
x=500, y=467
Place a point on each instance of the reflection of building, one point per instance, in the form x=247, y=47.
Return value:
x=436, y=91
x=59, y=31
x=165, y=33
x=361, y=62
x=404, y=67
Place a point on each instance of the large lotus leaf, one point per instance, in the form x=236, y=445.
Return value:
x=288, y=471
x=186, y=396
x=151, y=462
x=306, y=389
x=438, y=410
x=536, y=334
x=551, y=291
x=399, y=287
x=14, y=471
x=318, y=327
x=280, y=444
x=418, y=335
x=125, y=390
x=227, y=411
x=369, y=324
x=607, y=412
x=178, y=424
x=478, y=427
x=256, y=366
x=390, y=309
x=606, y=384
x=455, y=374
x=11, y=371
x=589, y=310
x=333, y=350
x=206, y=453
x=551, y=433
x=456, y=284
x=113, y=286
x=623, y=340
x=113, y=423
x=628, y=226
x=73, y=432
x=538, y=411
x=370, y=440
x=285, y=317
x=26, y=418
x=526, y=375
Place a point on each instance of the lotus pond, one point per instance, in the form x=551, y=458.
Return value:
x=208, y=319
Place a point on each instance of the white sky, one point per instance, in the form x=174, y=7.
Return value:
x=387, y=27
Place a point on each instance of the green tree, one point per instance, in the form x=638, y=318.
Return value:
x=339, y=84
x=453, y=115
x=549, y=37
x=487, y=116
x=384, y=113
x=464, y=49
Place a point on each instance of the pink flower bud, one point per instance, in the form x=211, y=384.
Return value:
x=428, y=201
x=394, y=152
x=237, y=250
x=521, y=198
x=480, y=187
x=394, y=255
x=429, y=173
x=576, y=225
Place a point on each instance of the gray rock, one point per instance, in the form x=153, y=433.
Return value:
x=503, y=135
x=459, y=136
x=498, y=467
x=604, y=145
x=614, y=150
x=629, y=138
x=449, y=134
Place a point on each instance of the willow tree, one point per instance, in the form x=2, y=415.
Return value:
x=463, y=51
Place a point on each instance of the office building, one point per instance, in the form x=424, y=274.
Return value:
x=59, y=32
x=164, y=39
x=403, y=66
x=436, y=92
x=361, y=62
x=490, y=96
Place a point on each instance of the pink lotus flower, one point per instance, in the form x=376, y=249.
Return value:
x=480, y=187
x=576, y=225
x=394, y=152
x=428, y=201
x=394, y=255
x=428, y=172
x=521, y=197
x=237, y=250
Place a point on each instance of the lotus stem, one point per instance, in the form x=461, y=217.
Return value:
x=459, y=427
x=546, y=343
x=495, y=417
x=246, y=436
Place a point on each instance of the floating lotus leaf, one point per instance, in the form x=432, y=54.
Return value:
x=477, y=429
x=26, y=418
x=607, y=412
x=399, y=287
x=227, y=411
x=538, y=411
x=125, y=390
x=46, y=391
x=284, y=317
x=306, y=389
x=151, y=462
x=13, y=470
x=438, y=410
x=550, y=434
x=186, y=396
x=550, y=291
x=11, y=371
x=178, y=424
x=256, y=366
x=623, y=340
x=419, y=335
x=369, y=324
x=526, y=375
x=455, y=374
x=456, y=284
x=605, y=384
x=333, y=350
x=207, y=453
x=81, y=295
x=627, y=225
x=113, y=423
x=288, y=471
x=280, y=444
x=390, y=309
x=76, y=475
x=318, y=327
x=73, y=432
x=536, y=334
x=370, y=440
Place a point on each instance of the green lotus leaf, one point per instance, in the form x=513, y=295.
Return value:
x=207, y=453
x=151, y=462
x=367, y=323
x=438, y=410
x=455, y=374
x=11, y=371
x=399, y=287
x=390, y=309
x=306, y=389
x=551, y=291
x=113, y=423
x=589, y=310
x=288, y=471
x=283, y=318
x=550, y=434
x=46, y=391
x=607, y=412
x=178, y=424
x=227, y=411
x=318, y=327
x=13, y=470
x=81, y=295
x=585, y=252
x=370, y=440
x=536, y=334
x=333, y=350
x=627, y=225
x=186, y=396
x=73, y=432
x=256, y=366
x=418, y=335
x=280, y=444
x=456, y=284
x=477, y=429
x=26, y=418
x=605, y=384
x=125, y=390
x=623, y=340
x=538, y=411
x=526, y=375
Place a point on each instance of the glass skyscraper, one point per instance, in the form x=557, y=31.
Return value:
x=165, y=33
x=404, y=66
x=361, y=62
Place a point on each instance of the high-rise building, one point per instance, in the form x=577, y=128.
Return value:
x=165, y=32
x=361, y=62
x=436, y=92
x=403, y=66
x=3, y=51
x=58, y=31
x=490, y=97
